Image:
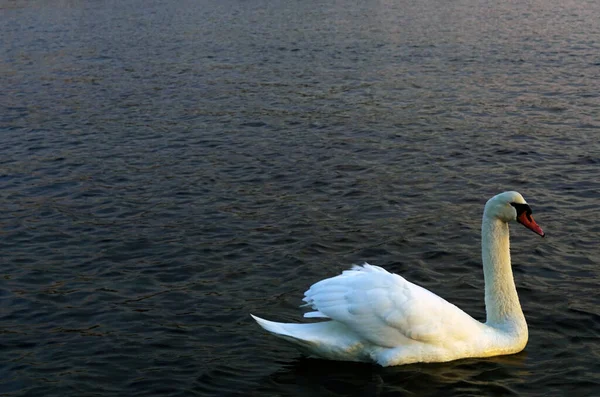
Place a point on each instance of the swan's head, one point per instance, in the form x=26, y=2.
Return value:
x=511, y=206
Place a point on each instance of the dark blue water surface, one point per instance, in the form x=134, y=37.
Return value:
x=166, y=168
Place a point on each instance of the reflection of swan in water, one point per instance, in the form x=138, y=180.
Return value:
x=314, y=377
x=376, y=316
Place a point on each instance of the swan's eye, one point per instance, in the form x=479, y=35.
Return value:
x=522, y=208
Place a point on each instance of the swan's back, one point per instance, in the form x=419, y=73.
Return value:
x=386, y=309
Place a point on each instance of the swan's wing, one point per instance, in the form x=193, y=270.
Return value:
x=387, y=310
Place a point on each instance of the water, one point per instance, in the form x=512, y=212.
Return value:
x=166, y=168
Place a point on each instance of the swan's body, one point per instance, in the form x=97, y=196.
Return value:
x=376, y=316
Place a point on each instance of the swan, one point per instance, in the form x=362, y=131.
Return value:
x=379, y=317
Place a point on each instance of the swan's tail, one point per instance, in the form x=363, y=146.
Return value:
x=271, y=326
x=327, y=339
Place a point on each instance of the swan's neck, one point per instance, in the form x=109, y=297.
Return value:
x=501, y=300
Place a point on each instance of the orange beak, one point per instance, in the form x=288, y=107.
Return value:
x=527, y=220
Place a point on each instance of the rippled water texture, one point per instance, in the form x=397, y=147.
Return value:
x=166, y=168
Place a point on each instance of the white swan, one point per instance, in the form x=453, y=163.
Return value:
x=376, y=316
